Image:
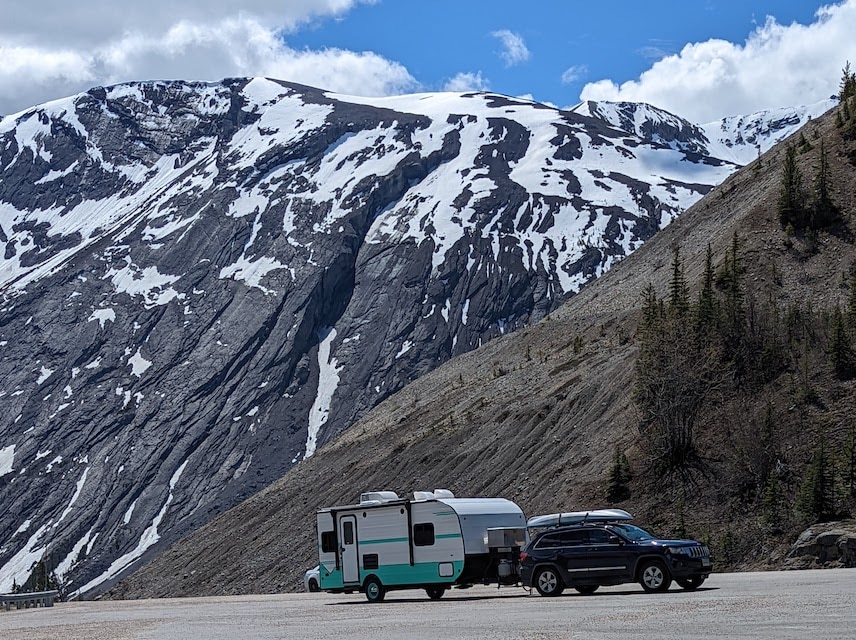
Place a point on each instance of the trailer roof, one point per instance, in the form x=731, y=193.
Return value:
x=461, y=506
x=481, y=506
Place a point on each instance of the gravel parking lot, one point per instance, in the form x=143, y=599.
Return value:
x=775, y=605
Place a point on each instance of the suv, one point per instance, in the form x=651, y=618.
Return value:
x=590, y=554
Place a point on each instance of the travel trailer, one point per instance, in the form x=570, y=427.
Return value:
x=433, y=541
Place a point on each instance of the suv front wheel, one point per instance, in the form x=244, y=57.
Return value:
x=654, y=576
x=548, y=582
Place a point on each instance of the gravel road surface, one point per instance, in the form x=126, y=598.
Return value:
x=775, y=605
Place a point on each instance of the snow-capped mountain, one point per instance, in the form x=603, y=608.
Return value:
x=202, y=283
x=738, y=139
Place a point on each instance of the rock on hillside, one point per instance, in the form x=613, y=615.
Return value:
x=203, y=283
x=535, y=418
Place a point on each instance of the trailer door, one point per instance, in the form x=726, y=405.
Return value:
x=350, y=559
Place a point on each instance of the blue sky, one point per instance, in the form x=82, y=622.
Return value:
x=701, y=59
x=616, y=39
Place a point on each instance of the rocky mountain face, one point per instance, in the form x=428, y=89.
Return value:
x=738, y=139
x=537, y=416
x=203, y=283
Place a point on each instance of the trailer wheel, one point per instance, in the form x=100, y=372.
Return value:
x=375, y=591
x=435, y=592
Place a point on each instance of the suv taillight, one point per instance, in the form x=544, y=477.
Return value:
x=523, y=556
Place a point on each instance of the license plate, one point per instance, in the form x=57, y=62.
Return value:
x=705, y=562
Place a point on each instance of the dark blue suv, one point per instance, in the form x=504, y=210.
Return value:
x=587, y=555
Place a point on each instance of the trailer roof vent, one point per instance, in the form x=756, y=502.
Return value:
x=420, y=496
x=443, y=493
x=375, y=497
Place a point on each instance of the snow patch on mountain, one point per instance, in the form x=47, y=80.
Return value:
x=328, y=381
x=7, y=459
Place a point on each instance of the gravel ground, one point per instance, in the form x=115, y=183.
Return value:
x=769, y=605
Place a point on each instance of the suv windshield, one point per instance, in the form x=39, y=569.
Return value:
x=632, y=532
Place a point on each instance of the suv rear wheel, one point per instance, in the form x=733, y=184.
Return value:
x=653, y=576
x=548, y=582
x=689, y=584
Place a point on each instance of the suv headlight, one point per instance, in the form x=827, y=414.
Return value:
x=678, y=551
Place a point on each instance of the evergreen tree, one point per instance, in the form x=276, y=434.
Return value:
x=847, y=87
x=849, y=470
x=618, y=488
x=851, y=303
x=679, y=293
x=791, y=194
x=674, y=377
x=839, y=346
x=706, y=309
x=773, y=503
x=815, y=499
x=823, y=211
x=734, y=310
x=768, y=442
x=651, y=314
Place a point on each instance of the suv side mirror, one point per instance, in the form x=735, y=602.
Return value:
x=614, y=539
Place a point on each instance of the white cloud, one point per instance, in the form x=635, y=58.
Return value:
x=778, y=65
x=514, y=48
x=467, y=82
x=574, y=73
x=104, y=42
x=97, y=21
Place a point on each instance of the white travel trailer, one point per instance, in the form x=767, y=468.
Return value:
x=433, y=542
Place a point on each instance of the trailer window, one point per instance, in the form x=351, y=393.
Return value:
x=328, y=542
x=423, y=534
x=348, y=532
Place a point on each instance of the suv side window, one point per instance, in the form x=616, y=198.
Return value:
x=574, y=538
x=599, y=536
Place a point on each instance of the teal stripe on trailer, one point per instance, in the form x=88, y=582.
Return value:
x=383, y=540
x=420, y=573
x=397, y=574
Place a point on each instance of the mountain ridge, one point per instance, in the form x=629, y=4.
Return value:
x=536, y=416
x=208, y=281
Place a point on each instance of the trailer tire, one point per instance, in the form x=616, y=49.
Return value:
x=435, y=592
x=375, y=591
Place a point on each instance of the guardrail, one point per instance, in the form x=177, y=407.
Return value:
x=27, y=600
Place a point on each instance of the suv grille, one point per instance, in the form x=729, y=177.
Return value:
x=699, y=552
